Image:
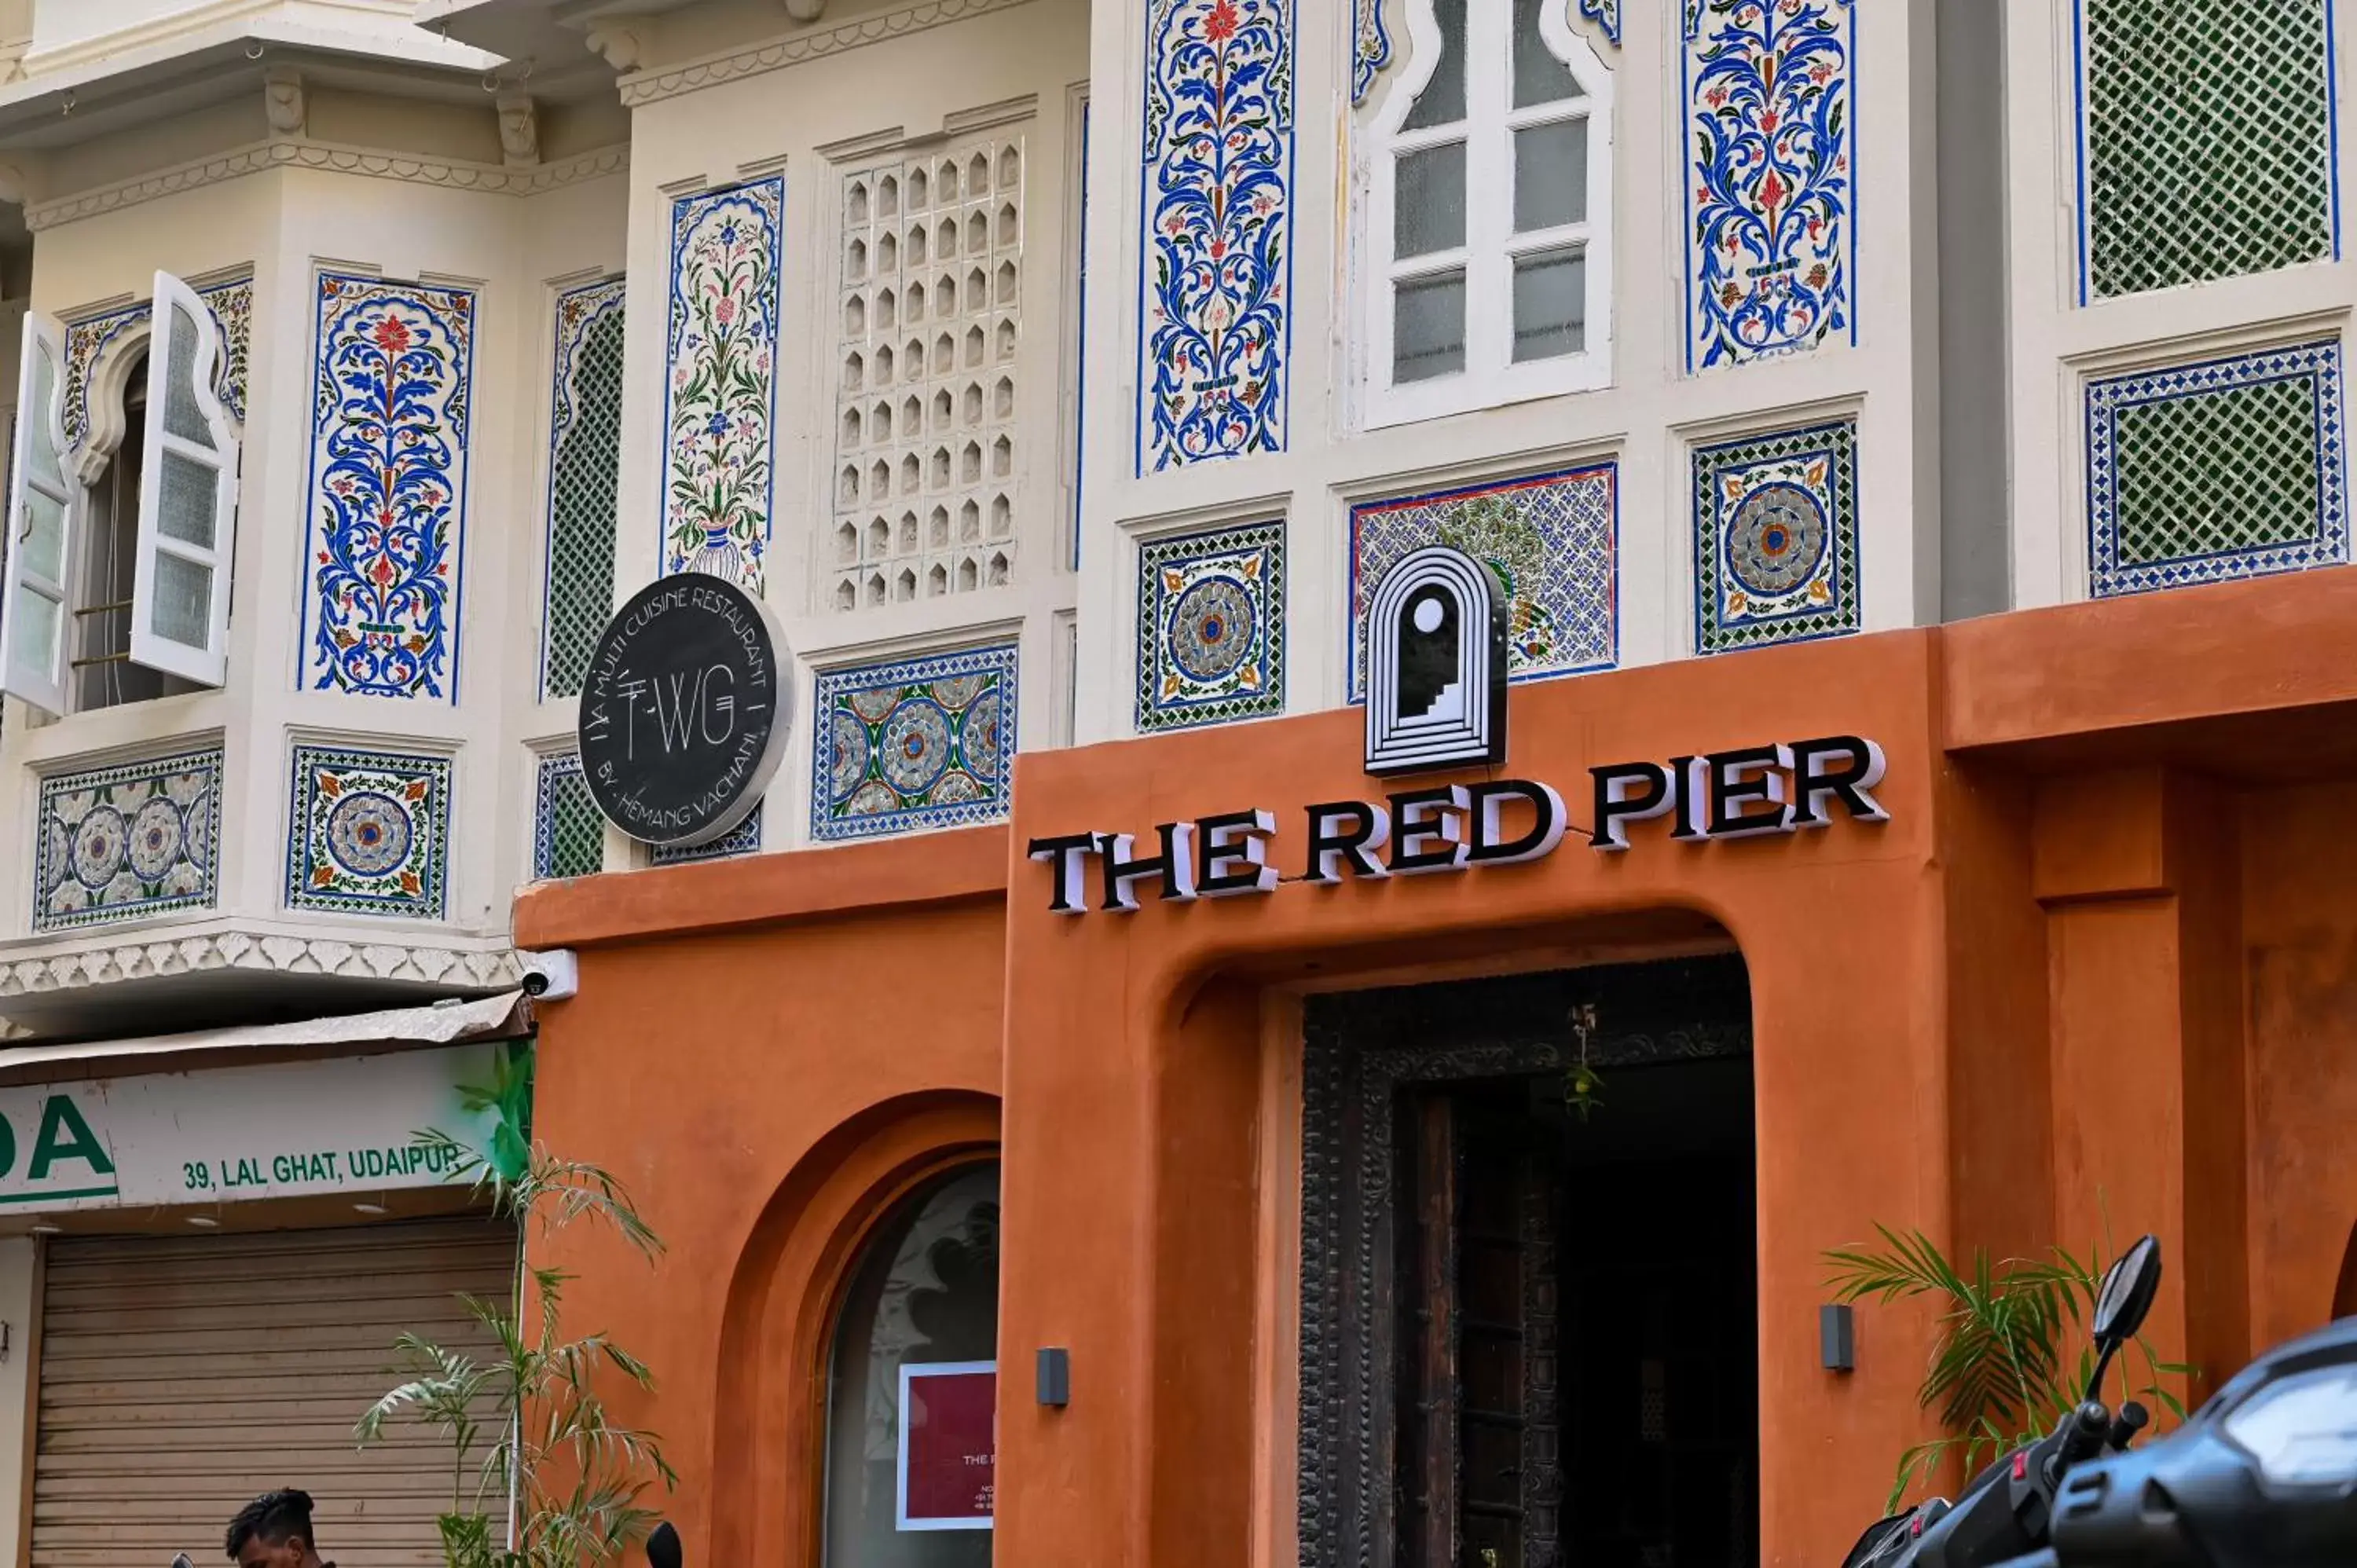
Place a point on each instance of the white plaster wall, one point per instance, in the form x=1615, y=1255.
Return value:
x=286, y=224
x=1647, y=419
x=791, y=118
x=2056, y=345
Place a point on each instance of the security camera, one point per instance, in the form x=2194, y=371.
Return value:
x=550, y=976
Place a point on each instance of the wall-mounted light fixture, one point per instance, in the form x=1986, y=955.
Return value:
x=1837, y=1338
x=1055, y=1378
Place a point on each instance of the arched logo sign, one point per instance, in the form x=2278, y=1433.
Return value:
x=685, y=712
x=1435, y=665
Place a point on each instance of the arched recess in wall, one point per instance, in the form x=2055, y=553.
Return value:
x=2345, y=1294
x=770, y=1412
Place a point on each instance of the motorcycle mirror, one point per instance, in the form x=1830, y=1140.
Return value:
x=662, y=1546
x=180, y=1559
x=2126, y=1295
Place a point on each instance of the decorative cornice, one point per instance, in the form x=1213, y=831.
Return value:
x=451, y=174
x=653, y=86
x=487, y=968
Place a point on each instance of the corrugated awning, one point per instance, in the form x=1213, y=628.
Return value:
x=504, y=1016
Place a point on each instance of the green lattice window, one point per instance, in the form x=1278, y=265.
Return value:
x=2208, y=139
x=569, y=839
x=2223, y=469
x=583, y=496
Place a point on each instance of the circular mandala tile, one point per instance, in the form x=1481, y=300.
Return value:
x=98, y=847
x=1778, y=540
x=197, y=828
x=954, y=692
x=914, y=749
x=982, y=746
x=155, y=839
x=849, y=738
x=57, y=853
x=1211, y=629
x=368, y=833
x=953, y=789
x=871, y=705
x=874, y=799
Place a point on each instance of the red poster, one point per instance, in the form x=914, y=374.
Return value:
x=949, y=1445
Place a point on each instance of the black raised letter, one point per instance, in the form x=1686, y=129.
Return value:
x=1813, y=780
x=1232, y=854
x=1065, y=853
x=1175, y=865
x=1346, y=832
x=1627, y=792
x=1429, y=816
x=1750, y=774
x=1490, y=846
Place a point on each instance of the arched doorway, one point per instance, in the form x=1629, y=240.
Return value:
x=911, y=1384
x=1529, y=1297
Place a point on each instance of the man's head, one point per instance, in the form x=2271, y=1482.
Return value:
x=274, y=1530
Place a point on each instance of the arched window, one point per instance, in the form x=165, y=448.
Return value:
x=1487, y=182
x=910, y=1421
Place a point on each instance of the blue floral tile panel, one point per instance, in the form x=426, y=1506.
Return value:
x=126, y=843
x=1551, y=539
x=917, y=742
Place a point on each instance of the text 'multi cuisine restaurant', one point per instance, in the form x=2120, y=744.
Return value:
x=1322, y=1140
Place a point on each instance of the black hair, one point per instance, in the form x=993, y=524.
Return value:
x=272, y=1516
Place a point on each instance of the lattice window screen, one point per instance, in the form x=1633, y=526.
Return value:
x=925, y=485
x=2208, y=139
x=568, y=831
x=583, y=489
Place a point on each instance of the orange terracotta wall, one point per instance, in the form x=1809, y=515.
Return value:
x=765, y=1090
x=1137, y=1204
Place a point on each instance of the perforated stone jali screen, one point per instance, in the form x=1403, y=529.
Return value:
x=2208, y=139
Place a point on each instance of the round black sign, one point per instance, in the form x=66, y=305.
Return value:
x=684, y=710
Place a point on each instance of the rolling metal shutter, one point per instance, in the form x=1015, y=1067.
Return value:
x=182, y=1375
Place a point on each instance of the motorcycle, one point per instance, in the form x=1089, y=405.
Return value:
x=2009, y=1511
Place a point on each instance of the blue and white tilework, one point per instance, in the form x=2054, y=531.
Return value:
x=1772, y=247
x=1215, y=318
x=88, y=339
x=392, y=400
x=2229, y=467
x=1776, y=548
x=120, y=843
x=585, y=428
x=1211, y=626
x=568, y=831
x=1551, y=537
x=1605, y=14
x=744, y=838
x=370, y=833
x=1371, y=45
x=719, y=403
x=919, y=743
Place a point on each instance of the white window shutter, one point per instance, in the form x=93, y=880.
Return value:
x=37, y=618
x=188, y=497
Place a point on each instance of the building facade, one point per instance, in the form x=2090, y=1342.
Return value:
x=1069, y=378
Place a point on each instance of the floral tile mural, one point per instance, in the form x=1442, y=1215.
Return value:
x=1217, y=264
x=1776, y=553
x=120, y=843
x=1211, y=626
x=1771, y=254
x=90, y=340
x=721, y=351
x=370, y=833
x=917, y=742
x=392, y=400
x=1552, y=540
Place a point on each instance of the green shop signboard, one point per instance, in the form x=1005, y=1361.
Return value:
x=349, y=1125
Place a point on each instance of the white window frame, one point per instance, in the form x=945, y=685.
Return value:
x=44, y=341
x=1492, y=376
x=207, y=665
